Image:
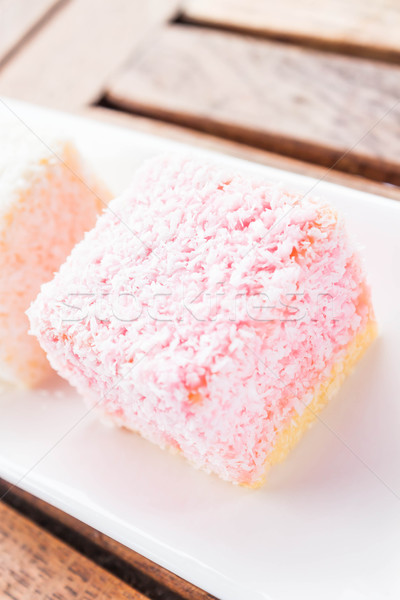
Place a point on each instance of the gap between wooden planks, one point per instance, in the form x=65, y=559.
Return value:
x=308, y=104
x=175, y=588
x=364, y=27
x=34, y=565
x=240, y=150
x=18, y=18
x=67, y=63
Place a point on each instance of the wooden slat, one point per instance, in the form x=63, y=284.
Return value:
x=183, y=589
x=17, y=18
x=369, y=27
x=204, y=140
x=67, y=64
x=296, y=101
x=34, y=564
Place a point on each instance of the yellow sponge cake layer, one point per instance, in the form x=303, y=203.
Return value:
x=299, y=424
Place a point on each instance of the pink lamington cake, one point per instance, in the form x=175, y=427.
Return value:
x=49, y=197
x=212, y=311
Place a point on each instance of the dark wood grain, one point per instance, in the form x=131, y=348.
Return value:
x=240, y=150
x=34, y=564
x=366, y=28
x=308, y=104
x=76, y=532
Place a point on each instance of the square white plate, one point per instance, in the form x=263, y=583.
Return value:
x=327, y=523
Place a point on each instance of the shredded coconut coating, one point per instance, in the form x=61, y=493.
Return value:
x=48, y=199
x=204, y=310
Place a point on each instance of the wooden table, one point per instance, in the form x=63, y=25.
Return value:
x=312, y=87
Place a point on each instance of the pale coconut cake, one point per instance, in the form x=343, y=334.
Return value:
x=48, y=199
x=215, y=315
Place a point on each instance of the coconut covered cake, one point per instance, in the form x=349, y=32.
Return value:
x=212, y=311
x=48, y=199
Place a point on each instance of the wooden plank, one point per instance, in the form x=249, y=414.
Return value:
x=67, y=64
x=34, y=564
x=18, y=18
x=368, y=28
x=173, y=584
x=240, y=150
x=299, y=102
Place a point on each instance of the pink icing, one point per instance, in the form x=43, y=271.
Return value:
x=193, y=247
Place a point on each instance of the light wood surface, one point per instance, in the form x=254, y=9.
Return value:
x=34, y=565
x=303, y=103
x=240, y=150
x=280, y=104
x=18, y=18
x=370, y=27
x=67, y=64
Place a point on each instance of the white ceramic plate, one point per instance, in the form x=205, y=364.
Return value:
x=327, y=523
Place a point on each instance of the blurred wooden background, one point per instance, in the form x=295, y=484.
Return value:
x=310, y=86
